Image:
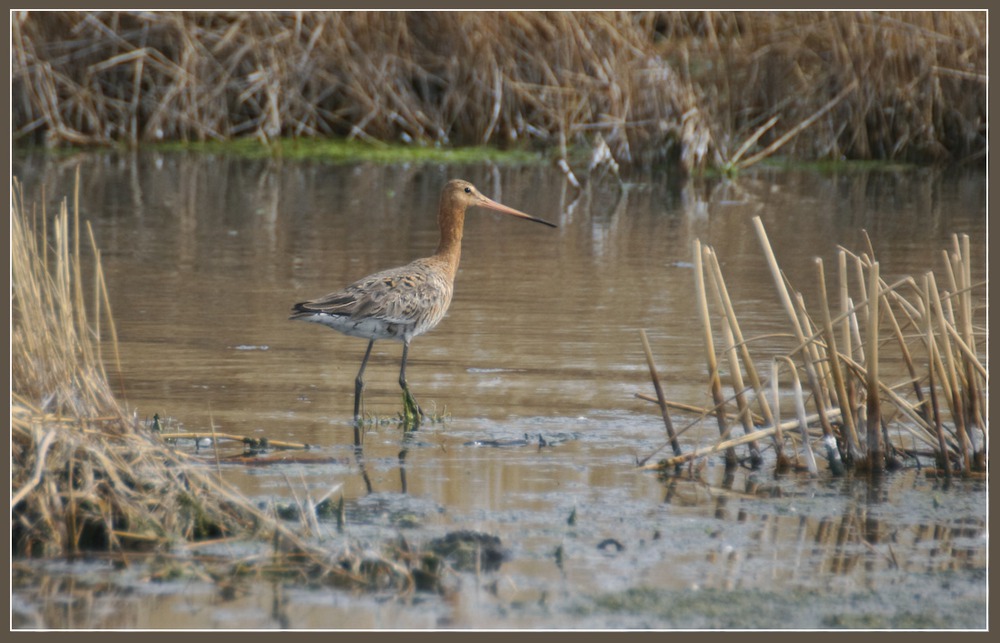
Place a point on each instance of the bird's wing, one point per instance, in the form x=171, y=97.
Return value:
x=397, y=296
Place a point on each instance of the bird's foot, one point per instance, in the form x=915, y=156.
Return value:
x=412, y=413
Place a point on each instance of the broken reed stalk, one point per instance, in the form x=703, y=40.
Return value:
x=707, y=451
x=782, y=462
x=697, y=410
x=731, y=337
x=905, y=353
x=734, y=161
x=846, y=312
x=965, y=337
x=701, y=416
x=839, y=384
x=800, y=336
x=758, y=434
x=860, y=262
x=876, y=450
x=713, y=367
x=800, y=414
x=792, y=133
x=968, y=335
x=948, y=375
x=661, y=400
x=814, y=351
x=933, y=357
x=902, y=405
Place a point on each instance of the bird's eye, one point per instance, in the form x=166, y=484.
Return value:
x=468, y=190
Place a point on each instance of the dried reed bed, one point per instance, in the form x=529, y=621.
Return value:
x=708, y=88
x=892, y=373
x=441, y=78
x=879, y=85
x=87, y=479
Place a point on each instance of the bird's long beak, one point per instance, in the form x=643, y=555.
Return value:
x=485, y=202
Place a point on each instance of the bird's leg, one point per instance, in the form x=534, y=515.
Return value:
x=411, y=410
x=359, y=382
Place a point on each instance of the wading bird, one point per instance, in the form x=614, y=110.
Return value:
x=401, y=303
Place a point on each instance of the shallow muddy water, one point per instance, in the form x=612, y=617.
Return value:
x=535, y=369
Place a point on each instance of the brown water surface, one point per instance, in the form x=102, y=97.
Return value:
x=204, y=255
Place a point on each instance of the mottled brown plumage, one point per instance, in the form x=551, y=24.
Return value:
x=401, y=303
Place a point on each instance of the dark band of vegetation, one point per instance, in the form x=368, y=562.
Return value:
x=721, y=89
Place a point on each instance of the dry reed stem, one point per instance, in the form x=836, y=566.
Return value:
x=792, y=133
x=776, y=393
x=909, y=410
x=707, y=451
x=971, y=360
x=876, y=450
x=966, y=261
x=839, y=385
x=790, y=310
x=735, y=160
x=967, y=342
x=728, y=340
x=758, y=434
x=715, y=382
x=744, y=349
x=846, y=313
x=904, y=351
x=949, y=378
x=660, y=398
x=860, y=263
x=697, y=410
x=812, y=351
x=800, y=413
x=942, y=457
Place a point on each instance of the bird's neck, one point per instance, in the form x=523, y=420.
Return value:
x=451, y=221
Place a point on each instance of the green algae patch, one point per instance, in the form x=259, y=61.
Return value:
x=835, y=166
x=353, y=151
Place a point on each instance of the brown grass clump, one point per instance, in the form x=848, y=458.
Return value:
x=83, y=476
x=892, y=372
x=708, y=88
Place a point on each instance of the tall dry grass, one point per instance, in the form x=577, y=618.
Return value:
x=83, y=475
x=694, y=86
x=915, y=81
x=442, y=78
